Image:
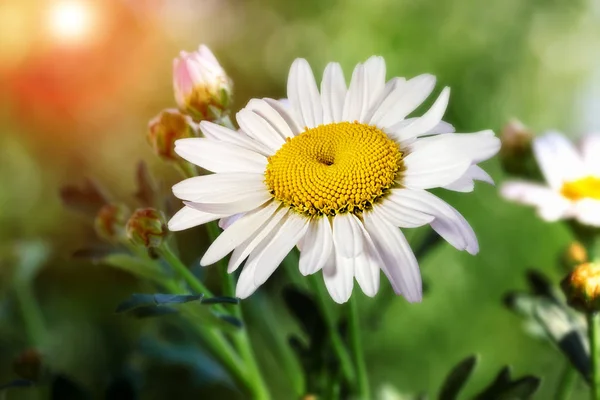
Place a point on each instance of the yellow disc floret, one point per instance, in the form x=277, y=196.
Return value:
x=334, y=168
x=588, y=187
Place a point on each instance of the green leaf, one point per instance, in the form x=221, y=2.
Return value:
x=221, y=300
x=152, y=311
x=457, y=378
x=504, y=388
x=137, y=300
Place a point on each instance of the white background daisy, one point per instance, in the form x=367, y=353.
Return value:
x=336, y=174
x=572, y=176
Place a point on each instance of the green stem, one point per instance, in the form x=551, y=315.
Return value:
x=334, y=335
x=566, y=383
x=357, y=353
x=240, y=338
x=593, y=319
x=31, y=313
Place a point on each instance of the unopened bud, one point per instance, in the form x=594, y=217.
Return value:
x=515, y=152
x=110, y=222
x=574, y=255
x=582, y=287
x=202, y=88
x=147, y=227
x=167, y=127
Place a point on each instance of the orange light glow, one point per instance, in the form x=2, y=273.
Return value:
x=71, y=21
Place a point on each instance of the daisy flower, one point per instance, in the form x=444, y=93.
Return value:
x=335, y=173
x=572, y=177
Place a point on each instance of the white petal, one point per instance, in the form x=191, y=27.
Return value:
x=282, y=107
x=220, y=156
x=466, y=183
x=347, y=235
x=429, y=121
x=304, y=95
x=338, y=275
x=258, y=128
x=220, y=133
x=188, y=217
x=399, y=262
x=448, y=222
x=357, y=99
x=242, y=251
x=367, y=267
x=375, y=74
x=477, y=147
x=590, y=150
x=557, y=159
x=399, y=214
x=404, y=100
x=434, y=163
x=317, y=246
x=551, y=205
x=587, y=211
x=242, y=203
x=271, y=116
x=245, y=285
x=386, y=100
x=216, y=188
x=238, y=233
x=226, y=222
x=333, y=93
x=285, y=238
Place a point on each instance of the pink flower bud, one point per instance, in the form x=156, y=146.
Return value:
x=202, y=88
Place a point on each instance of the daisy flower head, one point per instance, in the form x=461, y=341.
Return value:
x=572, y=177
x=336, y=173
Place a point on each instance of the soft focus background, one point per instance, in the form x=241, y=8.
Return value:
x=80, y=79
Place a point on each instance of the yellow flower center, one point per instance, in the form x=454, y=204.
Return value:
x=588, y=187
x=334, y=168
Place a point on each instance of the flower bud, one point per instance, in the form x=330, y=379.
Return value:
x=582, y=287
x=147, y=227
x=202, y=88
x=110, y=222
x=167, y=127
x=574, y=255
x=515, y=153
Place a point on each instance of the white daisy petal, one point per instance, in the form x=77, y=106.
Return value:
x=434, y=163
x=375, y=74
x=448, y=222
x=429, y=121
x=258, y=128
x=304, y=95
x=317, y=246
x=587, y=211
x=477, y=147
x=551, y=205
x=347, y=235
x=333, y=93
x=282, y=109
x=245, y=285
x=217, y=132
x=188, y=218
x=367, y=267
x=404, y=100
x=242, y=251
x=400, y=215
x=399, y=262
x=220, y=156
x=386, y=100
x=590, y=150
x=271, y=116
x=466, y=183
x=218, y=187
x=238, y=232
x=243, y=202
x=284, y=240
x=557, y=159
x=356, y=97
x=226, y=222
x=338, y=276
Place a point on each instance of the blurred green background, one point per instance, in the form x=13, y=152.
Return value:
x=76, y=98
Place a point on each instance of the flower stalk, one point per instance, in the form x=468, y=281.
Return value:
x=362, y=382
x=593, y=319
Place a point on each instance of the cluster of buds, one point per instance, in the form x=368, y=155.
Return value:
x=110, y=222
x=202, y=91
